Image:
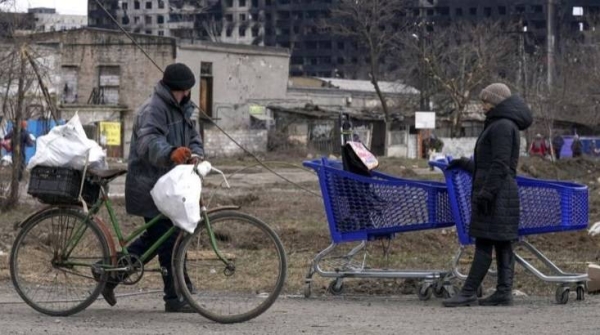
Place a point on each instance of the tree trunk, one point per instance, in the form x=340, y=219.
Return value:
x=16, y=139
x=457, y=121
x=384, y=107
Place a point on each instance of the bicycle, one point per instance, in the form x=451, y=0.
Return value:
x=236, y=262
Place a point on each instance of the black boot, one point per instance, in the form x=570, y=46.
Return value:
x=173, y=302
x=505, y=260
x=468, y=294
x=109, y=288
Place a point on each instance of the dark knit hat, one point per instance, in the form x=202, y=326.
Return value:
x=495, y=93
x=178, y=77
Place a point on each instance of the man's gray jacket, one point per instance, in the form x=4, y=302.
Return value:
x=161, y=125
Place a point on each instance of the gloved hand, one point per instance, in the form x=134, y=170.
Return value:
x=195, y=159
x=181, y=155
x=484, y=201
x=461, y=163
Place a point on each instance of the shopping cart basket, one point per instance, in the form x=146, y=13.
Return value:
x=547, y=206
x=361, y=208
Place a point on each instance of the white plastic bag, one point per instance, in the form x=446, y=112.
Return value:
x=177, y=196
x=68, y=146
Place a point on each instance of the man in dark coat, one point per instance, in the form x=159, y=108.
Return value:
x=576, y=147
x=557, y=144
x=26, y=141
x=495, y=197
x=163, y=137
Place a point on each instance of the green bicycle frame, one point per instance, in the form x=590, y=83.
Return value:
x=124, y=241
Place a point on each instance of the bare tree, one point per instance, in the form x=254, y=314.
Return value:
x=459, y=59
x=371, y=24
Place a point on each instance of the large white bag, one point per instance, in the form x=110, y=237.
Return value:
x=68, y=146
x=177, y=196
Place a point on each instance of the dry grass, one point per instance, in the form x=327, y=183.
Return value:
x=299, y=219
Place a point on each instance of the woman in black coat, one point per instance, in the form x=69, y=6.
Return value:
x=495, y=198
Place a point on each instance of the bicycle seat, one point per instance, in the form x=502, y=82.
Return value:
x=107, y=175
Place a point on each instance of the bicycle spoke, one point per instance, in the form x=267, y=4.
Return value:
x=52, y=259
x=255, y=278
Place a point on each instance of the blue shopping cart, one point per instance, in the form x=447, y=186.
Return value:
x=377, y=207
x=547, y=206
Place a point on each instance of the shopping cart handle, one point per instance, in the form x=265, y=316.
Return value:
x=440, y=163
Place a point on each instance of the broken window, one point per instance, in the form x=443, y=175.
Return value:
x=242, y=3
x=148, y=19
x=161, y=4
x=109, y=80
x=242, y=31
x=69, y=76
x=160, y=19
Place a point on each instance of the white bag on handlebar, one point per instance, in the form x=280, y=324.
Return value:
x=177, y=196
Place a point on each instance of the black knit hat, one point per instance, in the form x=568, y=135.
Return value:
x=178, y=77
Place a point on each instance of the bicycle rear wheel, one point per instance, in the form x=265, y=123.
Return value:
x=249, y=288
x=51, y=262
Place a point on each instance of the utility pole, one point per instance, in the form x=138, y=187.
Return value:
x=550, y=41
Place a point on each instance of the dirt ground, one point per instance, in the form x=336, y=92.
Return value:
x=299, y=219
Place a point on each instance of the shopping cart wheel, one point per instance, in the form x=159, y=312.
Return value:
x=562, y=295
x=439, y=289
x=336, y=286
x=580, y=292
x=307, y=290
x=425, y=291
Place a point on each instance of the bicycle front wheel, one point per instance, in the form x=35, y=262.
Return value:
x=52, y=259
x=252, y=281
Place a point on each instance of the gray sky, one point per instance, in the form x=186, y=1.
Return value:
x=78, y=7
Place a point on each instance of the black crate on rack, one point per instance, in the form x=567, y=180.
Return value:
x=60, y=186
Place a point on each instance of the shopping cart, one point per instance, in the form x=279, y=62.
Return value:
x=371, y=208
x=547, y=206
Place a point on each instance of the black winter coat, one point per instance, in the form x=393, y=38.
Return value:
x=495, y=168
x=161, y=125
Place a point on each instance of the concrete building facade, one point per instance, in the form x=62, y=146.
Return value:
x=46, y=19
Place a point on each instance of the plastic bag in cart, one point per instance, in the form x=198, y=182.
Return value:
x=177, y=196
x=68, y=146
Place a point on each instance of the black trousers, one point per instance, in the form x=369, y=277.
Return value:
x=165, y=252
x=483, y=260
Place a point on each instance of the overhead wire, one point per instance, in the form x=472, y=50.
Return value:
x=115, y=21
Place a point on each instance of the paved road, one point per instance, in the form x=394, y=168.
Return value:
x=326, y=315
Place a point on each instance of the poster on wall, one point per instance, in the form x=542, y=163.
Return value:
x=425, y=120
x=110, y=133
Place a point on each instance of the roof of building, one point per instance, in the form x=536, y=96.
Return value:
x=100, y=30
x=352, y=85
x=233, y=48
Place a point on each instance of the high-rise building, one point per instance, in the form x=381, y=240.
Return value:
x=297, y=25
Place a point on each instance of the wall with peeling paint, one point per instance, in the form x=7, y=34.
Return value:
x=240, y=73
